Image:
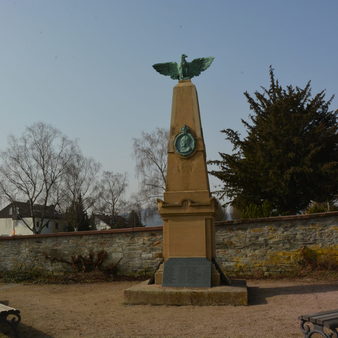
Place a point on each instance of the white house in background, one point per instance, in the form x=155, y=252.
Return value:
x=14, y=216
x=105, y=222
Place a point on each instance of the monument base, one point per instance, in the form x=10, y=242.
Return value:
x=153, y=294
x=187, y=278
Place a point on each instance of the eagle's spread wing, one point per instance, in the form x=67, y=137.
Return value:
x=197, y=66
x=168, y=68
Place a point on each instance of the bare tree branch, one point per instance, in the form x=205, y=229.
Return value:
x=150, y=152
x=81, y=179
x=111, y=191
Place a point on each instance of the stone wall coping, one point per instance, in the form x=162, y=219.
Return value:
x=277, y=218
x=84, y=233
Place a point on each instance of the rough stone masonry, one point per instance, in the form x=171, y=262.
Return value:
x=270, y=246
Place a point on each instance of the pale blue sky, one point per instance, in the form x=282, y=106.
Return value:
x=85, y=66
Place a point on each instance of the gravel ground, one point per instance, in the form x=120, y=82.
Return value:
x=97, y=310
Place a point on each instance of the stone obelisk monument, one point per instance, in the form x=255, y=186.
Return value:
x=189, y=274
x=187, y=208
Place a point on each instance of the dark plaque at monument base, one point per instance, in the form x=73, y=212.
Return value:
x=192, y=272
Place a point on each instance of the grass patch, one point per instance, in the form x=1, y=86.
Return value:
x=40, y=277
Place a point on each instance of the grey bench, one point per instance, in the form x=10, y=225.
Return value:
x=323, y=323
x=9, y=320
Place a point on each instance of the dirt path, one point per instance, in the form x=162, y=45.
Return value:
x=97, y=310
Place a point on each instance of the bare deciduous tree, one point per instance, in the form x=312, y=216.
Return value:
x=111, y=191
x=81, y=180
x=31, y=169
x=79, y=188
x=151, y=164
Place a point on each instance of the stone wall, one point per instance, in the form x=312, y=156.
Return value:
x=139, y=250
x=277, y=245
x=267, y=246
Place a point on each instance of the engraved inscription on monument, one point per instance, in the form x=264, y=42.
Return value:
x=187, y=272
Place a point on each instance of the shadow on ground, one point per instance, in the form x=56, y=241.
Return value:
x=23, y=331
x=258, y=295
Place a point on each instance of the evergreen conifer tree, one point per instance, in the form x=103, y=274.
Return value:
x=76, y=216
x=289, y=156
x=134, y=219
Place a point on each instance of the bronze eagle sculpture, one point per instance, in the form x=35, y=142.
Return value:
x=184, y=70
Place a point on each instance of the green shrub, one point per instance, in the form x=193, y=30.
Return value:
x=256, y=210
x=315, y=207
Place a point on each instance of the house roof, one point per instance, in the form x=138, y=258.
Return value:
x=117, y=221
x=21, y=209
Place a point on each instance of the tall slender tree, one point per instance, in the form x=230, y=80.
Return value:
x=80, y=181
x=150, y=152
x=134, y=219
x=76, y=215
x=289, y=156
x=112, y=187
